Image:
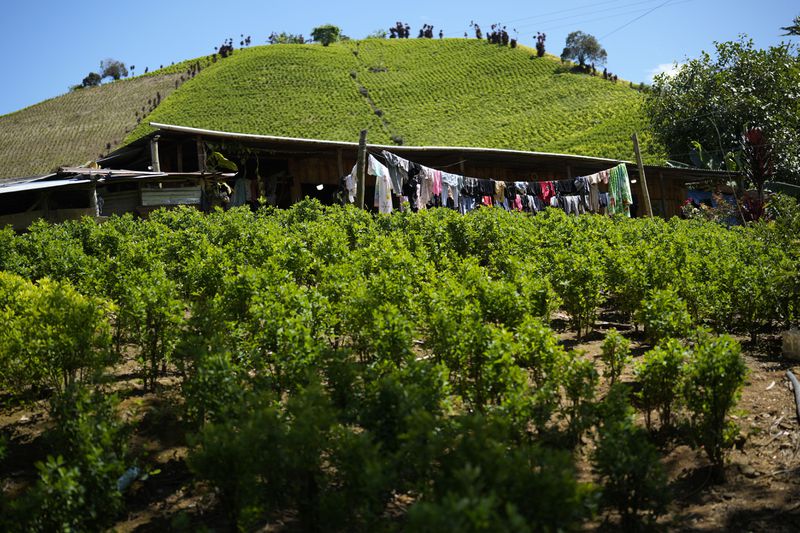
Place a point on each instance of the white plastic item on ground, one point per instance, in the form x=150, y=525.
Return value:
x=791, y=344
x=127, y=478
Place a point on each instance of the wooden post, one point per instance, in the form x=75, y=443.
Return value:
x=648, y=208
x=361, y=168
x=154, y=162
x=569, y=172
x=201, y=155
x=340, y=162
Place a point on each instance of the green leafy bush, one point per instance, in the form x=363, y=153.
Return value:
x=267, y=455
x=483, y=480
x=713, y=379
x=578, y=281
x=332, y=360
x=664, y=315
x=53, y=336
x=579, y=381
x=660, y=375
x=616, y=352
x=214, y=386
x=77, y=490
x=627, y=464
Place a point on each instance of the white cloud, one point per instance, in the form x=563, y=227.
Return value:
x=670, y=69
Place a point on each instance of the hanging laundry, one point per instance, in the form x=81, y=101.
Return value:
x=241, y=192
x=350, y=185
x=470, y=187
x=486, y=187
x=619, y=191
x=598, y=177
x=581, y=185
x=383, y=185
x=536, y=203
x=375, y=167
x=517, y=206
x=398, y=171
x=467, y=204
x=499, y=191
x=566, y=186
x=547, y=191
x=425, y=186
x=437, y=182
x=412, y=185
x=582, y=190
x=603, y=201
x=593, y=199
x=451, y=187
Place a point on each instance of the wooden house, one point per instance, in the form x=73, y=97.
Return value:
x=171, y=167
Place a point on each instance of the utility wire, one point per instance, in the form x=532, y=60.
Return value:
x=548, y=20
x=561, y=11
x=576, y=22
x=612, y=32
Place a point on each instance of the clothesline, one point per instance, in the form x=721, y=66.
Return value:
x=400, y=182
x=379, y=156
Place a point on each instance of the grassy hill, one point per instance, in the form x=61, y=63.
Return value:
x=451, y=92
x=76, y=127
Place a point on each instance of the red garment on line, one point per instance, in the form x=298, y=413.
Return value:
x=548, y=190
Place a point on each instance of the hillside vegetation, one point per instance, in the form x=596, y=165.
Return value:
x=451, y=92
x=76, y=127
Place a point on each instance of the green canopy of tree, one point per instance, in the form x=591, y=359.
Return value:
x=111, y=68
x=92, y=80
x=583, y=48
x=326, y=34
x=794, y=29
x=285, y=38
x=714, y=99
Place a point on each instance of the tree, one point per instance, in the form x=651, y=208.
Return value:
x=794, y=29
x=111, y=68
x=378, y=34
x=92, y=80
x=712, y=100
x=540, y=38
x=285, y=38
x=582, y=47
x=326, y=34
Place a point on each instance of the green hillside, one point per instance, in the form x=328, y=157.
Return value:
x=76, y=127
x=452, y=92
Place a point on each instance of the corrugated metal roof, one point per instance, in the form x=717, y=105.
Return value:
x=321, y=143
x=37, y=185
x=25, y=179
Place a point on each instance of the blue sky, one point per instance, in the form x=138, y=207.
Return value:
x=50, y=45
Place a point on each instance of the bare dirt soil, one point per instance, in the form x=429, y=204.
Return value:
x=761, y=491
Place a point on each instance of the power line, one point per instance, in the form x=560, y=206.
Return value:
x=542, y=20
x=597, y=19
x=560, y=11
x=635, y=19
